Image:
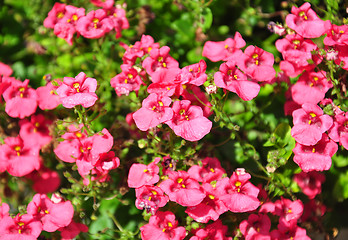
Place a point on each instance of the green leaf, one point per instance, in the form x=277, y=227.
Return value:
x=207, y=18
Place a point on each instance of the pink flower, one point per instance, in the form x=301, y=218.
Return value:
x=141, y=174
x=257, y=64
x=197, y=97
x=150, y=198
x=155, y=110
x=339, y=130
x=231, y=78
x=162, y=226
x=106, y=4
x=287, y=209
x=125, y=82
x=309, y=124
x=72, y=230
x=47, y=97
x=310, y=182
x=5, y=70
x=313, y=211
x=336, y=35
x=159, y=59
x=315, y=157
x=95, y=24
x=188, y=121
x=52, y=215
x=18, y=157
x=237, y=193
x=119, y=19
x=78, y=91
x=23, y=227
x=289, y=230
x=256, y=227
x=224, y=50
x=166, y=82
x=55, y=15
x=36, y=131
x=21, y=101
x=210, y=208
x=210, y=170
x=310, y=87
x=306, y=22
x=215, y=231
x=65, y=31
x=194, y=73
x=45, y=180
x=182, y=189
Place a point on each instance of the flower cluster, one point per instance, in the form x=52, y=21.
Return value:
x=42, y=214
x=66, y=20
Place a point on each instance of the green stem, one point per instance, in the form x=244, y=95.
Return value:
x=118, y=225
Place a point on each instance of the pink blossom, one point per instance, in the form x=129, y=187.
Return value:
x=215, y=231
x=150, y=198
x=237, y=193
x=288, y=231
x=5, y=70
x=231, y=78
x=119, y=19
x=72, y=230
x=182, y=189
x=315, y=157
x=210, y=170
x=287, y=209
x=55, y=15
x=257, y=64
x=21, y=100
x=36, y=131
x=310, y=182
x=336, y=35
x=45, y=180
x=310, y=87
x=210, y=208
x=95, y=24
x=18, y=157
x=256, y=227
x=159, y=59
x=47, y=97
x=162, y=226
x=188, y=121
x=141, y=174
x=306, y=22
x=194, y=73
x=65, y=31
x=52, y=215
x=126, y=81
x=309, y=124
x=224, y=50
x=313, y=211
x=155, y=110
x=106, y=4
x=166, y=82
x=4, y=210
x=78, y=91
x=23, y=227
x=339, y=130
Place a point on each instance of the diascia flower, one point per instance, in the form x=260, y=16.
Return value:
x=52, y=215
x=231, y=78
x=78, y=91
x=162, y=226
x=23, y=227
x=306, y=22
x=18, y=157
x=224, y=50
x=256, y=227
x=155, y=110
x=315, y=157
x=21, y=100
x=237, y=193
x=310, y=123
x=310, y=182
x=141, y=174
x=188, y=121
x=182, y=189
